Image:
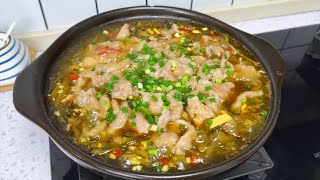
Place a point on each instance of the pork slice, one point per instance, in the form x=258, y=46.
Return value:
x=223, y=90
x=198, y=111
x=237, y=104
x=167, y=33
x=89, y=62
x=111, y=44
x=206, y=39
x=121, y=119
x=95, y=130
x=124, y=32
x=122, y=90
x=183, y=68
x=167, y=139
x=192, y=82
x=202, y=84
x=164, y=119
x=246, y=72
x=185, y=141
x=87, y=99
x=176, y=107
x=155, y=107
x=142, y=125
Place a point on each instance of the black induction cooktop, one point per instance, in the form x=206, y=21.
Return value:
x=293, y=150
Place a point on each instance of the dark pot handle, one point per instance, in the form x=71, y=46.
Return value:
x=28, y=95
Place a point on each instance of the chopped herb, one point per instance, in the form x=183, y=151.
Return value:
x=156, y=118
x=133, y=124
x=264, y=113
x=202, y=50
x=212, y=99
x=105, y=147
x=154, y=98
x=206, y=69
x=251, y=100
x=209, y=122
x=190, y=65
x=178, y=84
x=124, y=109
x=149, y=118
x=132, y=116
x=196, y=49
x=108, y=86
x=99, y=94
x=110, y=116
x=146, y=50
x=202, y=97
x=106, y=103
x=225, y=56
x=160, y=131
x=172, y=48
x=133, y=56
x=161, y=63
x=153, y=151
x=198, y=78
x=248, y=86
x=101, y=73
x=219, y=81
x=185, y=79
x=228, y=66
x=178, y=96
x=93, y=69
x=244, y=100
x=229, y=72
x=182, y=127
x=114, y=79
x=76, y=71
x=208, y=88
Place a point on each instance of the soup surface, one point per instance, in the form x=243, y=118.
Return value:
x=160, y=96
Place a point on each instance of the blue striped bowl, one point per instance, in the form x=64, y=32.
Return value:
x=14, y=57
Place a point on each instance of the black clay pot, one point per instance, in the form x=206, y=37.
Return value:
x=32, y=86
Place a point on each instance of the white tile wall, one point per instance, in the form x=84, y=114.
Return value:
x=65, y=13
x=26, y=13
x=106, y=5
x=242, y=2
x=186, y=4
x=203, y=5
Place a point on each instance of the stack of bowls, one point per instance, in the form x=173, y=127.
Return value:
x=14, y=57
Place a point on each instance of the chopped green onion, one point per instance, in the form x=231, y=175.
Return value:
x=196, y=49
x=154, y=98
x=209, y=122
x=178, y=84
x=208, y=88
x=202, y=50
x=124, y=109
x=212, y=99
x=198, y=78
x=93, y=69
x=165, y=107
x=161, y=63
x=229, y=72
x=206, y=69
x=132, y=56
x=133, y=124
x=190, y=65
x=172, y=48
x=225, y=56
x=105, y=147
x=174, y=64
x=110, y=116
x=153, y=151
x=108, y=86
x=149, y=118
x=228, y=66
x=264, y=113
x=114, y=79
x=185, y=79
x=101, y=73
x=182, y=127
x=132, y=116
x=202, y=97
x=251, y=100
x=219, y=81
x=99, y=94
x=178, y=96
x=106, y=103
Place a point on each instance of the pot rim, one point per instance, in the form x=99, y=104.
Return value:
x=84, y=159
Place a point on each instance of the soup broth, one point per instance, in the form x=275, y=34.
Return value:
x=160, y=96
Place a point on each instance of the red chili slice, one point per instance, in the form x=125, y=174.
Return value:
x=194, y=160
x=117, y=152
x=187, y=28
x=73, y=76
x=229, y=49
x=164, y=161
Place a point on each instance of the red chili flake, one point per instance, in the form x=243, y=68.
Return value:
x=189, y=28
x=164, y=161
x=73, y=76
x=194, y=160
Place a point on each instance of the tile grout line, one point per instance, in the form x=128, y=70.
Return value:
x=285, y=40
x=43, y=15
x=97, y=9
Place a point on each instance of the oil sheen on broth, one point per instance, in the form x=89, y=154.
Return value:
x=160, y=96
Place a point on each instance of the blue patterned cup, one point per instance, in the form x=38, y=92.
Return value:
x=14, y=57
